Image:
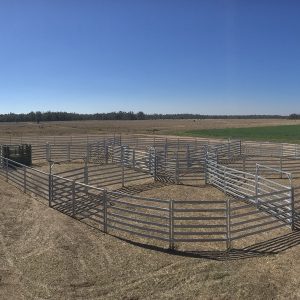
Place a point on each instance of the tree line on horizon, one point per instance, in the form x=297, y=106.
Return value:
x=47, y=116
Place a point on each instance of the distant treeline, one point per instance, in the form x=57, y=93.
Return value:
x=294, y=116
x=122, y=115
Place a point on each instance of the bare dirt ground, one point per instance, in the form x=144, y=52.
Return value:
x=47, y=255
x=148, y=126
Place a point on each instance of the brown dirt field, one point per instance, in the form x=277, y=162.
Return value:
x=148, y=126
x=47, y=255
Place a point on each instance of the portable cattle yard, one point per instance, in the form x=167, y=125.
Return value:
x=256, y=178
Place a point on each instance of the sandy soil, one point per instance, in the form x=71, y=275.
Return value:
x=148, y=126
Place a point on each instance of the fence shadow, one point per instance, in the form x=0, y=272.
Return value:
x=270, y=247
x=266, y=248
x=139, y=188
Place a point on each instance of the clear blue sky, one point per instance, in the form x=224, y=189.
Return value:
x=164, y=56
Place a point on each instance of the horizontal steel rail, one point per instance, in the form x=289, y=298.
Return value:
x=172, y=221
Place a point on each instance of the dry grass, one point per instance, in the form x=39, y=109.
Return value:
x=47, y=255
x=148, y=126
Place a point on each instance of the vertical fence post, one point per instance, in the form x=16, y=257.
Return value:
x=133, y=158
x=113, y=153
x=25, y=179
x=97, y=145
x=48, y=152
x=177, y=169
x=241, y=152
x=69, y=152
x=228, y=225
x=86, y=172
x=6, y=168
x=166, y=154
x=154, y=164
x=171, y=225
x=281, y=174
x=188, y=164
x=87, y=152
x=292, y=208
x=104, y=149
x=73, y=199
x=50, y=189
x=225, y=181
x=206, y=168
x=256, y=184
x=106, y=153
x=123, y=169
x=105, y=211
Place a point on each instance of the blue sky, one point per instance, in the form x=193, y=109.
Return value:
x=163, y=56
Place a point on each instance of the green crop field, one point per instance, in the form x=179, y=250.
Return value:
x=284, y=133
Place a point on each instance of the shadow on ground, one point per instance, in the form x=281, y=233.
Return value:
x=266, y=248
